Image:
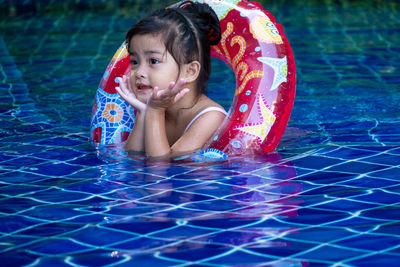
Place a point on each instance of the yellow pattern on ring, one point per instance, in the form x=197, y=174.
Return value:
x=264, y=30
x=113, y=113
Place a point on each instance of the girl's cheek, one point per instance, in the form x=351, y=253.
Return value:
x=132, y=81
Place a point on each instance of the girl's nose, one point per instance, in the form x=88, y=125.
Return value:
x=140, y=72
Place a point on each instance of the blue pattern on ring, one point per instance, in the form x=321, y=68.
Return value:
x=243, y=108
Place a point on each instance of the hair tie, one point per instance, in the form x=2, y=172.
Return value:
x=212, y=35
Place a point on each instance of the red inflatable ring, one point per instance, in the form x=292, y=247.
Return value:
x=256, y=49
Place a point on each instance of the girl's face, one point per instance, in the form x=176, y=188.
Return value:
x=151, y=65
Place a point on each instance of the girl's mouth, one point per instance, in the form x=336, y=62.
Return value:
x=143, y=87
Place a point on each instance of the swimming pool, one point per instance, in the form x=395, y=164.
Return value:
x=329, y=195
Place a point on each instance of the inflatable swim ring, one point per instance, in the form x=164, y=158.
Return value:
x=256, y=49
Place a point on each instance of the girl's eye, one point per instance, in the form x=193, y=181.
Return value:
x=134, y=62
x=154, y=61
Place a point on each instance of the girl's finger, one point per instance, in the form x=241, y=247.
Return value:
x=156, y=93
x=178, y=86
x=181, y=94
x=121, y=84
x=129, y=84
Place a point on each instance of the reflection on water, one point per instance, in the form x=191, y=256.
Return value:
x=195, y=206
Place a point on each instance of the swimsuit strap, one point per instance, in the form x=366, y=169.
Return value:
x=202, y=112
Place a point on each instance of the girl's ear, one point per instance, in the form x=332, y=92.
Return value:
x=191, y=71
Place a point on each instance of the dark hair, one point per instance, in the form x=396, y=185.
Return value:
x=188, y=30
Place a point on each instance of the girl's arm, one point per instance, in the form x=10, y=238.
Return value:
x=199, y=132
x=194, y=138
x=156, y=140
x=135, y=140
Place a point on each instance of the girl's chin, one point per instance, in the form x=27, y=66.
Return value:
x=143, y=97
x=143, y=100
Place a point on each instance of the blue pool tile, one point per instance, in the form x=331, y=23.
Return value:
x=141, y=227
x=140, y=245
x=18, y=258
x=134, y=178
x=357, y=167
x=181, y=214
x=56, y=195
x=375, y=149
x=369, y=241
x=391, y=173
x=86, y=173
x=182, y=232
x=190, y=251
x=56, y=169
x=59, y=153
x=22, y=161
x=128, y=208
x=390, y=228
x=53, y=212
x=221, y=223
x=57, y=246
x=329, y=253
x=203, y=175
x=385, y=159
x=395, y=151
x=285, y=207
x=316, y=217
x=144, y=260
x=12, y=244
x=176, y=198
x=86, y=161
x=315, y=162
x=381, y=259
x=350, y=152
x=60, y=182
x=383, y=212
x=356, y=223
x=318, y=234
x=275, y=247
x=214, y=205
x=213, y=190
x=366, y=182
x=322, y=177
x=15, y=205
x=95, y=258
x=21, y=189
x=58, y=141
x=243, y=258
x=5, y=158
x=346, y=205
x=12, y=223
x=248, y=180
x=379, y=196
x=233, y=237
x=99, y=236
x=51, y=261
x=89, y=219
x=85, y=186
x=50, y=229
x=172, y=183
x=335, y=191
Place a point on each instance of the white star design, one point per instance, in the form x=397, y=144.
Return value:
x=280, y=69
x=260, y=130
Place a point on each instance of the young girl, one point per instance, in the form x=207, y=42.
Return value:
x=170, y=66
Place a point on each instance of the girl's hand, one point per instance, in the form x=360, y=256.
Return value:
x=125, y=91
x=162, y=99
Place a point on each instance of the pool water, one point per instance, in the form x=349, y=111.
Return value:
x=329, y=194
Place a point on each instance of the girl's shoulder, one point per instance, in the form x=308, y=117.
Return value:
x=209, y=107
